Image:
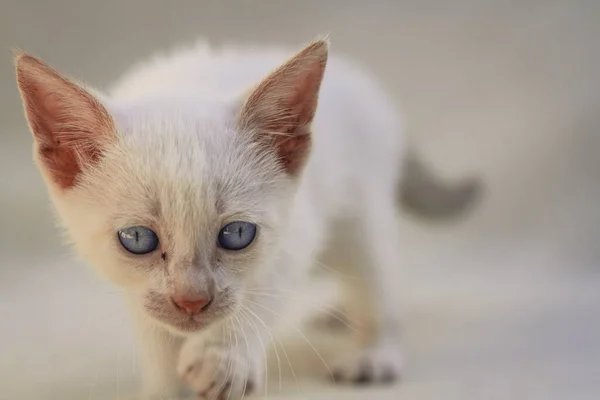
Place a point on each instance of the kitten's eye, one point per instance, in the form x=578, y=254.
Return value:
x=138, y=239
x=237, y=235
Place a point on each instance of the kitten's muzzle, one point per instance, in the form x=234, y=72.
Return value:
x=190, y=304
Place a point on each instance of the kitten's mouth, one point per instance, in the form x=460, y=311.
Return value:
x=165, y=312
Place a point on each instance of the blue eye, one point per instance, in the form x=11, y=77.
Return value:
x=138, y=239
x=237, y=235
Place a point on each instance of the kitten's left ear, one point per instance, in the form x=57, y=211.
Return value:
x=282, y=107
x=69, y=125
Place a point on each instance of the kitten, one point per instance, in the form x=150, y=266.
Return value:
x=206, y=180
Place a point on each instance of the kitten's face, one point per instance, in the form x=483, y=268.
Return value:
x=186, y=209
x=182, y=205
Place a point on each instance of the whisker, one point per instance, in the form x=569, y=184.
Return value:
x=252, y=313
x=335, y=271
x=248, y=349
x=229, y=344
x=301, y=334
x=336, y=314
x=257, y=333
x=333, y=313
x=230, y=362
x=285, y=353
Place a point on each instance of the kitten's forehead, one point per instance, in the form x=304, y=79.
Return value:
x=184, y=165
x=161, y=118
x=176, y=139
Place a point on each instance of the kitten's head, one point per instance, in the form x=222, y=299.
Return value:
x=179, y=204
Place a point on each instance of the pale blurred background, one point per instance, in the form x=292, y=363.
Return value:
x=504, y=304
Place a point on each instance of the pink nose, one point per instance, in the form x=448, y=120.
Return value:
x=191, y=305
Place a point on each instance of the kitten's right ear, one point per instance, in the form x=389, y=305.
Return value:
x=69, y=125
x=282, y=107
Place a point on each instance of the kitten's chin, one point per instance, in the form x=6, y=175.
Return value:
x=186, y=327
x=183, y=326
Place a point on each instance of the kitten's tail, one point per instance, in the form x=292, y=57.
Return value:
x=424, y=194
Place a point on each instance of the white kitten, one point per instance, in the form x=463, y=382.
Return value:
x=206, y=180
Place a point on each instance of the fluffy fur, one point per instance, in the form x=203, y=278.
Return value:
x=311, y=152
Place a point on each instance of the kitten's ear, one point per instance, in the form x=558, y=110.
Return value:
x=283, y=105
x=69, y=125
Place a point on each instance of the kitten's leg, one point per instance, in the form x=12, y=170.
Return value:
x=222, y=362
x=371, y=257
x=159, y=352
x=228, y=360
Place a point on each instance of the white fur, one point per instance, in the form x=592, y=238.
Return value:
x=175, y=119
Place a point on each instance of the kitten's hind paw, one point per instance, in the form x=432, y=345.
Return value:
x=377, y=365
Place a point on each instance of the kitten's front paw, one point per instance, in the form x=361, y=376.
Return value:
x=216, y=370
x=382, y=364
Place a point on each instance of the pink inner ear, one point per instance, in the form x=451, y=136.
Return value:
x=304, y=98
x=69, y=125
x=283, y=106
x=292, y=151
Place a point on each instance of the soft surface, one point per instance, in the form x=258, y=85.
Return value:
x=505, y=305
